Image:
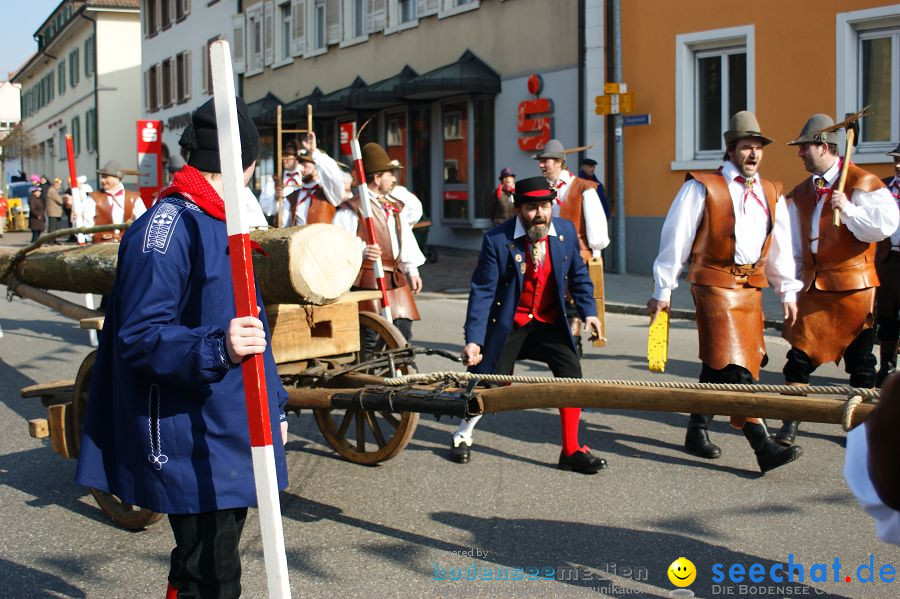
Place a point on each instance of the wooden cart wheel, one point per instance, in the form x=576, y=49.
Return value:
x=123, y=514
x=368, y=436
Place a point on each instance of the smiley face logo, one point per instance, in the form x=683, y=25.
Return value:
x=682, y=572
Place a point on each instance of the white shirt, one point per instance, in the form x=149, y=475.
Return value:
x=871, y=215
x=596, y=227
x=894, y=188
x=751, y=222
x=412, y=206
x=330, y=178
x=410, y=258
x=252, y=210
x=267, y=200
x=856, y=472
x=118, y=207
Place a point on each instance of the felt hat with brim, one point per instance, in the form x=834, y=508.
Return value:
x=812, y=132
x=552, y=149
x=589, y=162
x=895, y=152
x=305, y=155
x=533, y=189
x=506, y=172
x=375, y=160
x=743, y=125
x=289, y=150
x=111, y=169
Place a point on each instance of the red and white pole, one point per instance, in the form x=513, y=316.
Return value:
x=77, y=209
x=362, y=189
x=245, y=305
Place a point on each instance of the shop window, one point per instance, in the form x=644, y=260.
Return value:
x=420, y=155
x=396, y=142
x=483, y=156
x=455, y=124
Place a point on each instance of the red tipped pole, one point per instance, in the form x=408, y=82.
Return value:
x=363, y=190
x=245, y=305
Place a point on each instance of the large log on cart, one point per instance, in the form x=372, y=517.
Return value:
x=315, y=264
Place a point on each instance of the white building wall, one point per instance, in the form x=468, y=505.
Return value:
x=191, y=34
x=119, y=93
x=10, y=106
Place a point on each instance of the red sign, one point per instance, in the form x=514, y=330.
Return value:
x=535, y=118
x=458, y=196
x=348, y=132
x=149, y=147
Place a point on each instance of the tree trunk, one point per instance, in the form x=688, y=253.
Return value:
x=314, y=264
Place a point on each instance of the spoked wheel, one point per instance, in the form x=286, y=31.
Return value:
x=123, y=514
x=370, y=436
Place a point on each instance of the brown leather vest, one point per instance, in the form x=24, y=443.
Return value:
x=842, y=262
x=320, y=209
x=383, y=239
x=573, y=210
x=103, y=214
x=712, y=255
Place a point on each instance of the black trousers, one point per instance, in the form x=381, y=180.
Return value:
x=731, y=374
x=547, y=343
x=205, y=563
x=859, y=362
x=370, y=337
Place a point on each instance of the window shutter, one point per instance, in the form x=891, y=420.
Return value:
x=269, y=31
x=427, y=7
x=147, y=91
x=238, y=43
x=376, y=15
x=173, y=10
x=333, y=21
x=204, y=65
x=298, y=38
x=187, y=6
x=187, y=75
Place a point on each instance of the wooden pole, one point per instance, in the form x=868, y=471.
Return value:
x=64, y=307
x=309, y=128
x=245, y=305
x=851, y=133
x=279, y=182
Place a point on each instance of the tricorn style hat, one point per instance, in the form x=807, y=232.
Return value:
x=201, y=138
x=895, y=152
x=111, y=169
x=742, y=125
x=506, y=172
x=812, y=131
x=552, y=149
x=533, y=189
x=375, y=160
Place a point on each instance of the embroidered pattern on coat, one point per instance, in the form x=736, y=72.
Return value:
x=158, y=234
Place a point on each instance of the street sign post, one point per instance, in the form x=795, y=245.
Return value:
x=633, y=120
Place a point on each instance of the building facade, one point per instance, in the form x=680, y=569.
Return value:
x=784, y=61
x=83, y=80
x=175, y=44
x=453, y=89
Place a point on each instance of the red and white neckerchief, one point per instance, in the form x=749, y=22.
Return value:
x=388, y=207
x=895, y=188
x=307, y=193
x=291, y=179
x=113, y=197
x=749, y=192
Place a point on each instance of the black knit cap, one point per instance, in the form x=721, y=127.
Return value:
x=201, y=139
x=533, y=189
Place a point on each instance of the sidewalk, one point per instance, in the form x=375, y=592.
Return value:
x=625, y=294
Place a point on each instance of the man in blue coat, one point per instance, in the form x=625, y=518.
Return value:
x=166, y=423
x=517, y=308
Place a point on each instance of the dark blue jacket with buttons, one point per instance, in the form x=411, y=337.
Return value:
x=497, y=285
x=166, y=423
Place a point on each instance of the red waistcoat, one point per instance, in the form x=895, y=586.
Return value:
x=539, y=294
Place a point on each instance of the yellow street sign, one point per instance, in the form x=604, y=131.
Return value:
x=615, y=88
x=614, y=103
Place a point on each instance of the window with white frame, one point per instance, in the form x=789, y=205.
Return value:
x=714, y=79
x=406, y=11
x=182, y=76
x=401, y=14
x=285, y=26
x=319, y=37
x=182, y=9
x=452, y=7
x=255, y=42
x=868, y=74
x=168, y=97
x=354, y=20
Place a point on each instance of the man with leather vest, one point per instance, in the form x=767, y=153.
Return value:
x=836, y=264
x=112, y=204
x=734, y=225
x=887, y=296
x=320, y=190
x=395, y=245
x=576, y=201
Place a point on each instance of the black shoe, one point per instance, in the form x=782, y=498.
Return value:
x=582, y=462
x=460, y=453
x=697, y=443
x=772, y=455
x=788, y=432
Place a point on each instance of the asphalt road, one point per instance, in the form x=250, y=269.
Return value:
x=408, y=527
